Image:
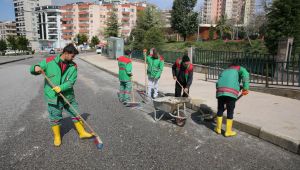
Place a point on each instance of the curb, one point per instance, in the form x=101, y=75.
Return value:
x=6, y=62
x=282, y=141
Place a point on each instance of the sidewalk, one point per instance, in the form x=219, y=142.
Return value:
x=10, y=59
x=273, y=118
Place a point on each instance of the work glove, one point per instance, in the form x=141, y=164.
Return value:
x=245, y=92
x=57, y=89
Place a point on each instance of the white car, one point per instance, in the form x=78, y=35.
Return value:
x=99, y=50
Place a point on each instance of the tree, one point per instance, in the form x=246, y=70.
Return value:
x=95, y=41
x=149, y=18
x=22, y=43
x=12, y=41
x=283, y=20
x=183, y=18
x=3, y=46
x=137, y=38
x=81, y=38
x=222, y=26
x=153, y=38
x=211, y=32
x=112, y=29
x=148, y=32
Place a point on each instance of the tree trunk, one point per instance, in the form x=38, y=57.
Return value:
x=184, y=38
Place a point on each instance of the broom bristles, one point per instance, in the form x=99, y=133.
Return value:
x=98, y=143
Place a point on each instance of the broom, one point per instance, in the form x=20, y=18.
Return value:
x=132, y=103
x=98, y=142
x=145, y=62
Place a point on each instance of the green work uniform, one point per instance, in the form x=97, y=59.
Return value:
x=61, y=74
x=125, y=73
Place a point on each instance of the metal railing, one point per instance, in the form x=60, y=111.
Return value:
x=263, y=68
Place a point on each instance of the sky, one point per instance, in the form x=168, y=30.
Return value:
x=7, y=9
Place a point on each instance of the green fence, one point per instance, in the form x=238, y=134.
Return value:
x=169, y=56
x=264, y=68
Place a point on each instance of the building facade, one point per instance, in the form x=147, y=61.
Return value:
x=238, y=12
x=7, y=28
x=91, y=19
x=49, y=27
x=26, y=21
x=166, y=18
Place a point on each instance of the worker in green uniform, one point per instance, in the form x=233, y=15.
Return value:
x=155, y=64
x=125, y=74
x=228, y=88
x=62, y=71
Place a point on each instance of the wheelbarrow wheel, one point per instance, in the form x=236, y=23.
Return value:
x=180, y=121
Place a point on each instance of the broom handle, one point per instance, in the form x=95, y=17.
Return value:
x=146, y=81
x=183, y=88
x=132, y=92
x=66, y=100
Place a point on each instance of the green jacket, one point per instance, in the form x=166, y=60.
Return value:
x=155, y=66
x=66, y=81
x=125, y=68
x=229, y=81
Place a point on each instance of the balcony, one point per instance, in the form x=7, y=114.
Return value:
x=84, y=31
x=67, y=30
x=67, y=25
x=125, y=13
x=67, y=13
x=83, y=19
x=67, y=7
x=125, y=24
x=67, y=19
x=125, y=19
x=83, y=24
x=67, y=37
x=52, y=37
x=83, y=12
x=52, y=33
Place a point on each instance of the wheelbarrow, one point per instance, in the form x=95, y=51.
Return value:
x=174, y=106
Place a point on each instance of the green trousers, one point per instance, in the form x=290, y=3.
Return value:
x=125, y=91
x=55, y=111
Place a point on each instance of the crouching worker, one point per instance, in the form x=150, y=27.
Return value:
x=228, y=88
x=62, y=71
x=182, y=71
x=125, y=73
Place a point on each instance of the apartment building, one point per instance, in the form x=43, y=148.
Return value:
x=26, y=21
x=7, y=28
x=166, y=18
x=49, y=27
x=249, y=11
x=91, y=19
x=237, y=11
x=212, y=11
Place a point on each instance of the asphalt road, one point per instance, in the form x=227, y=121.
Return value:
x=132, y=140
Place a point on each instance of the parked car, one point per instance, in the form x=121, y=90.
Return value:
x=99, y=50
x=52, y=51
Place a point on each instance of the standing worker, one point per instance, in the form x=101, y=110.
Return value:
x=155, y=64
x=182, y=71
x=62, y=71
x=125, y=74
x=228, y=88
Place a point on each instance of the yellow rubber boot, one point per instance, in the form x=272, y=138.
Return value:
x=218, y=128
x=229, y=131
x=56, y=134
x=80, y=129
